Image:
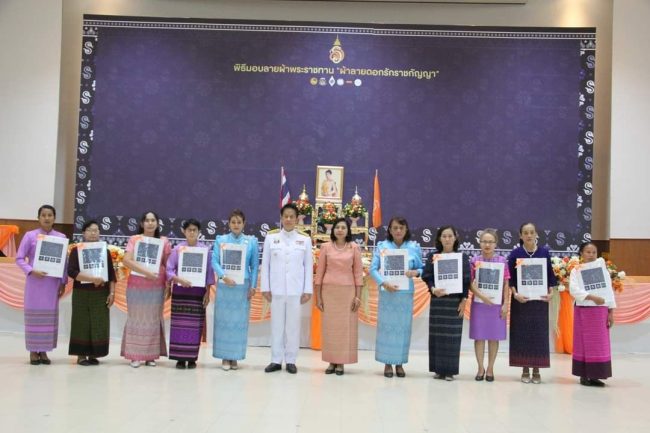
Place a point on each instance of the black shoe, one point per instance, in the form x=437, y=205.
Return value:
x=44, y=359
x=596, y=382
x=273, y=367
x=586, y=382
x=180, y=365
x=291, y=368
x=191, y=364
x=399, y=371
x=93, y=361
x=388, y=371
x=489, y=378
x=330, y=369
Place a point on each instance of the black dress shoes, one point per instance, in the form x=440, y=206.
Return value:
x=273, y=367
x=291, y=368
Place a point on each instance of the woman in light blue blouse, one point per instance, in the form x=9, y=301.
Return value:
x=395, y=315
x=232, y=303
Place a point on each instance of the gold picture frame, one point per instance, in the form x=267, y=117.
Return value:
x=329, y=183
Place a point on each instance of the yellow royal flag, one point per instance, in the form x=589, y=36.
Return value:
x=376, y=203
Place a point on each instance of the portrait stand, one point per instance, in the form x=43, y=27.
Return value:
x=329, y=198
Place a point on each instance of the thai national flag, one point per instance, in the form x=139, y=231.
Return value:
x=285, y=193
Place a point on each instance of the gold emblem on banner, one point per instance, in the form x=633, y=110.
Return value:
x=336, y=52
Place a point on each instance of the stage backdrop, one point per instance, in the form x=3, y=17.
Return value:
x=476, y=127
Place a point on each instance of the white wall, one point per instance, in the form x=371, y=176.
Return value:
x=30, y=54
x=539, y=13
x=630, y=176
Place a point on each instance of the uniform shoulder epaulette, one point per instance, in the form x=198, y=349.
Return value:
x=300, y=232
x=270, y=232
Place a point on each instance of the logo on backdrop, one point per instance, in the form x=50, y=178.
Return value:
x=133, y=224
x=336, y=52
x=264, y=228
x=106, y=223
x=426, y=235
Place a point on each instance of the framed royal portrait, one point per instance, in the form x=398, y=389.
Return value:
x=329, y=183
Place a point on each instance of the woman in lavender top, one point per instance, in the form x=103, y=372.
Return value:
x=42, y=292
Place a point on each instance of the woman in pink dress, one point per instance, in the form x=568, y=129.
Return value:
x=338, y=282
x=144, y=332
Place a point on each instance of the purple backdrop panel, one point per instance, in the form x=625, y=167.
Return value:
x=469, y=126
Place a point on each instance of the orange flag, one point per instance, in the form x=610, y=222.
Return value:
x=376, y=203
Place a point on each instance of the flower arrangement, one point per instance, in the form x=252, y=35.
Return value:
x=562, y=267
x=616, y=276
x=354, y=210
x=303, y=205
x=328, y=214
x=117, y=256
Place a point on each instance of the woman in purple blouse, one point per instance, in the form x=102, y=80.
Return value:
x=42, y=292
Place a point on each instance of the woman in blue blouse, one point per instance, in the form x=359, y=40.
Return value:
x=395, y=315
x=232, y=303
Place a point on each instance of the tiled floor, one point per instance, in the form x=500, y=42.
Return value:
x=114, y=397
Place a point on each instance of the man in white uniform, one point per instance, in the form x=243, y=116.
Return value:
x=286, y=284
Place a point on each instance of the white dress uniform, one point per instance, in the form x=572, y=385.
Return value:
x=287, y=273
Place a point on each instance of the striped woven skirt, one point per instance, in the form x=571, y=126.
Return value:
x=529, y=336
x=187, y=322
x=592, y=355
x=445, y=334
x=394, y=322
x=144, y=332
x=340, y=325
x=41, y=313
x=231, y=316
x=89, y=331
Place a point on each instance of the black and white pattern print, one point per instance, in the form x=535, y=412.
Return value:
x=447, y=269
x=192, y=262
x=394, y=266
x=93, y=258
x=147, y=253
x=50, y=252
x=532, y=275
x=488, y=279
x=232, y=260
x=593, y=279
